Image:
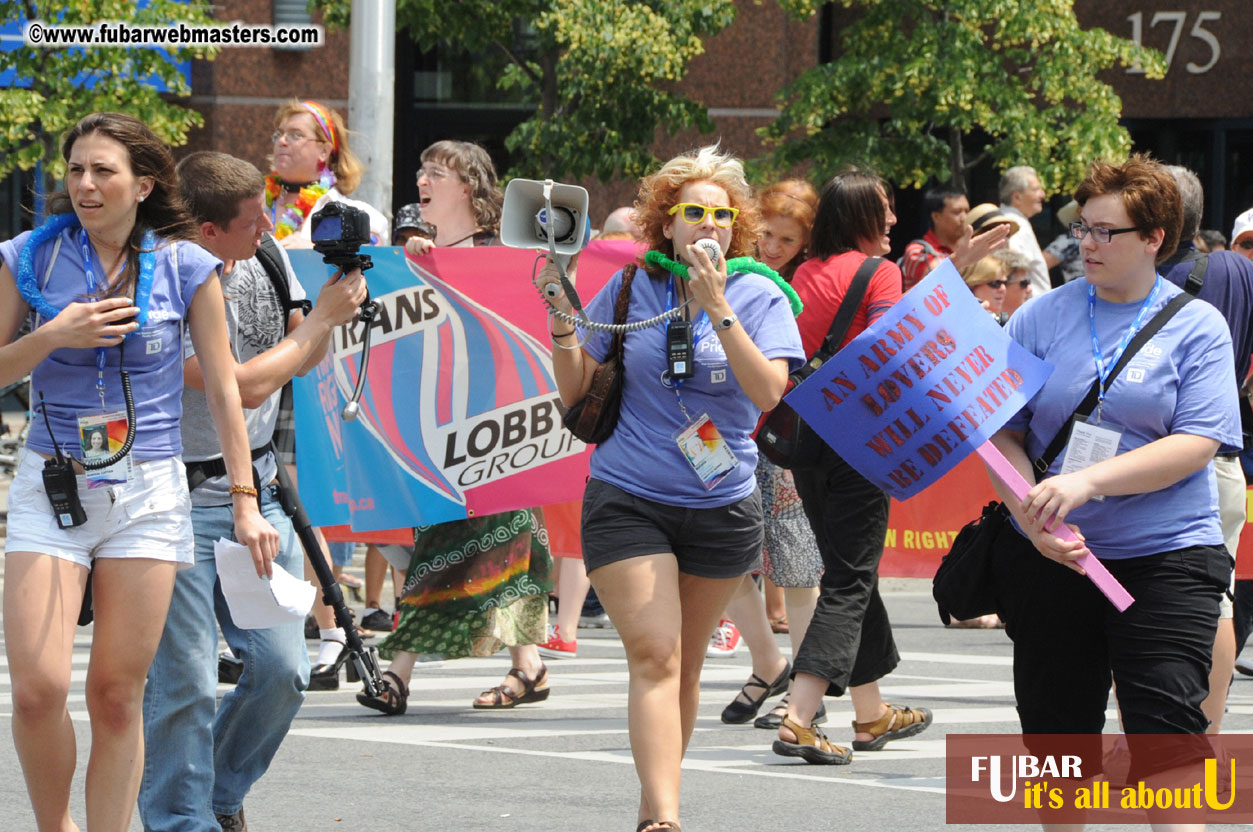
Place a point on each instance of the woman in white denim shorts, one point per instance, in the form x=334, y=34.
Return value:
x=106, y=295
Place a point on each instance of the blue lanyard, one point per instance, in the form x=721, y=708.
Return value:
x=88, y=257
x=698, y=332
x=1102, y=370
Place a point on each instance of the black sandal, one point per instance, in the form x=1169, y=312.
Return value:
x=392, y=700
x=504, y=696
x=738, y=712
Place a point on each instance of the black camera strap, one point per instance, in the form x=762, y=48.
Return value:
x=271, y=259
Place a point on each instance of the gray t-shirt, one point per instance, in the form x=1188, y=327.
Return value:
x=254, y=323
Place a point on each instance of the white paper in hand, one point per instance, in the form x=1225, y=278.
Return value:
x=256, y=603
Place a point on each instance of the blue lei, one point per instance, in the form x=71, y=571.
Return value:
x=28, y=283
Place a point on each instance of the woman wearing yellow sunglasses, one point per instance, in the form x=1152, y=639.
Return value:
x=672, y=516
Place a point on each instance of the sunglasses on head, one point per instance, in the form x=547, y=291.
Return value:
x=694, y=213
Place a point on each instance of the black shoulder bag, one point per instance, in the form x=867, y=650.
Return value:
x=784, y=438
x=596, y=415
x=963, y=587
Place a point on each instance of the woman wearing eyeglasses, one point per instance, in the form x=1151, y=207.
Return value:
x=1018, y=273
x=476, y=585
x=670, y=526
x=1149, y=509
x=459, y=196
x=986, y=279
x=313, y=165
x=849, y=644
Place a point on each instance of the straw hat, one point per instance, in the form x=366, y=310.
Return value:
x=985, y=215
x=1068, y=213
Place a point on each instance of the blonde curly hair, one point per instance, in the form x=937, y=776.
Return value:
x=660, y=192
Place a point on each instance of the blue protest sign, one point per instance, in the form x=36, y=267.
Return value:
x=921, y=389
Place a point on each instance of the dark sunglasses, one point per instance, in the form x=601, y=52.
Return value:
x=996, y=284
x=1245, y=244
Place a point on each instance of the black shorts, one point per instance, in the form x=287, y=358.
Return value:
x=720, y=542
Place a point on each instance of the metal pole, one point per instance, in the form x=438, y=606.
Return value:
x=371, y=96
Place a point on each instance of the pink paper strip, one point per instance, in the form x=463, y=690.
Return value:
x=1096, y=571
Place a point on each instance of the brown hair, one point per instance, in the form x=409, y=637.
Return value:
x=161, y=211
x=849, y=213
x=1148, y=192
x=347, y=168
x=660, y=192
x=473, y=166
x=213, y=184
x=793, y=199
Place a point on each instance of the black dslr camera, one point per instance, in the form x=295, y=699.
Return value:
x=338, y=232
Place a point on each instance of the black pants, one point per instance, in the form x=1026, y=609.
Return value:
x=849, y=641
x=1069, y=640
x=1242, y=613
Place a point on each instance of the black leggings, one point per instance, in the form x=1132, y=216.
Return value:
x=849, y=641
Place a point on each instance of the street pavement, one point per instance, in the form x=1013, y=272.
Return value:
x=565, y=764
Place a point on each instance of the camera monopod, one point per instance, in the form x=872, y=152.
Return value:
x=365, y=661
x=338, y=231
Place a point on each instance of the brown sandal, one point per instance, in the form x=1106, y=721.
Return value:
x=392, y=700
x=812, y=746
x=779, y=625
x=659, y=825
x=897, y=724
x=504, y=696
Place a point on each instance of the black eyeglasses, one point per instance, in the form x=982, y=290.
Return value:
x=1099, y=233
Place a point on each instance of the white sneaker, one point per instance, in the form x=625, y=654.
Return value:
x=725, y=641
x=594, y=622
x=1244, y=666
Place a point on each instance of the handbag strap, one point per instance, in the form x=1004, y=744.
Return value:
x=620, y=308
x=1150, y=329
x=848, y=306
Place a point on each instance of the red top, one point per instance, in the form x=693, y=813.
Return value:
x=918, y=261
x=822, y=284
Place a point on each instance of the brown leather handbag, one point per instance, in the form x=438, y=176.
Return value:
x=594, y=418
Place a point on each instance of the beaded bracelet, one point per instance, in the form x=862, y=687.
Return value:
x=243, y=489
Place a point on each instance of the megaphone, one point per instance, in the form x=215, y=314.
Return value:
x=534, y=209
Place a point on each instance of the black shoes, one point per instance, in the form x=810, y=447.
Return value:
x=740, y=711
x=326, y=676
x=233, y=823
x=377, y=620
x=229, y=669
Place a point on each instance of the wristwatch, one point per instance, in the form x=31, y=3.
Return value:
x=726, y=323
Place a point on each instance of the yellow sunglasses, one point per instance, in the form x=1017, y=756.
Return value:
x=694, y=213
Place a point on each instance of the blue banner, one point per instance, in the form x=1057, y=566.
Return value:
x=459, y=416
x=921, y=388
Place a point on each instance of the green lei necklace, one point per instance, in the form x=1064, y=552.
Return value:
x=735, y=264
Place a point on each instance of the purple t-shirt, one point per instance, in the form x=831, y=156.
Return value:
x=1229, y=287
x=1181, y=381
x=153, y=355
x=642, y=456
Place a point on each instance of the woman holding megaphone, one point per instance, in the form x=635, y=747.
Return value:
x=672, y=515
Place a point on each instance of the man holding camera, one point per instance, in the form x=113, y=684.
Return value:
x=201, y=764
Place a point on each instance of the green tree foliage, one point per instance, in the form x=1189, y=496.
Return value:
x=57, y=86
x=601, y=72
x=914, y=79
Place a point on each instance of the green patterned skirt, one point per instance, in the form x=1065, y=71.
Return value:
x=475, y=586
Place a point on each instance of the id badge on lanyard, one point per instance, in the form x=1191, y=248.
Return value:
x=101, y=432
